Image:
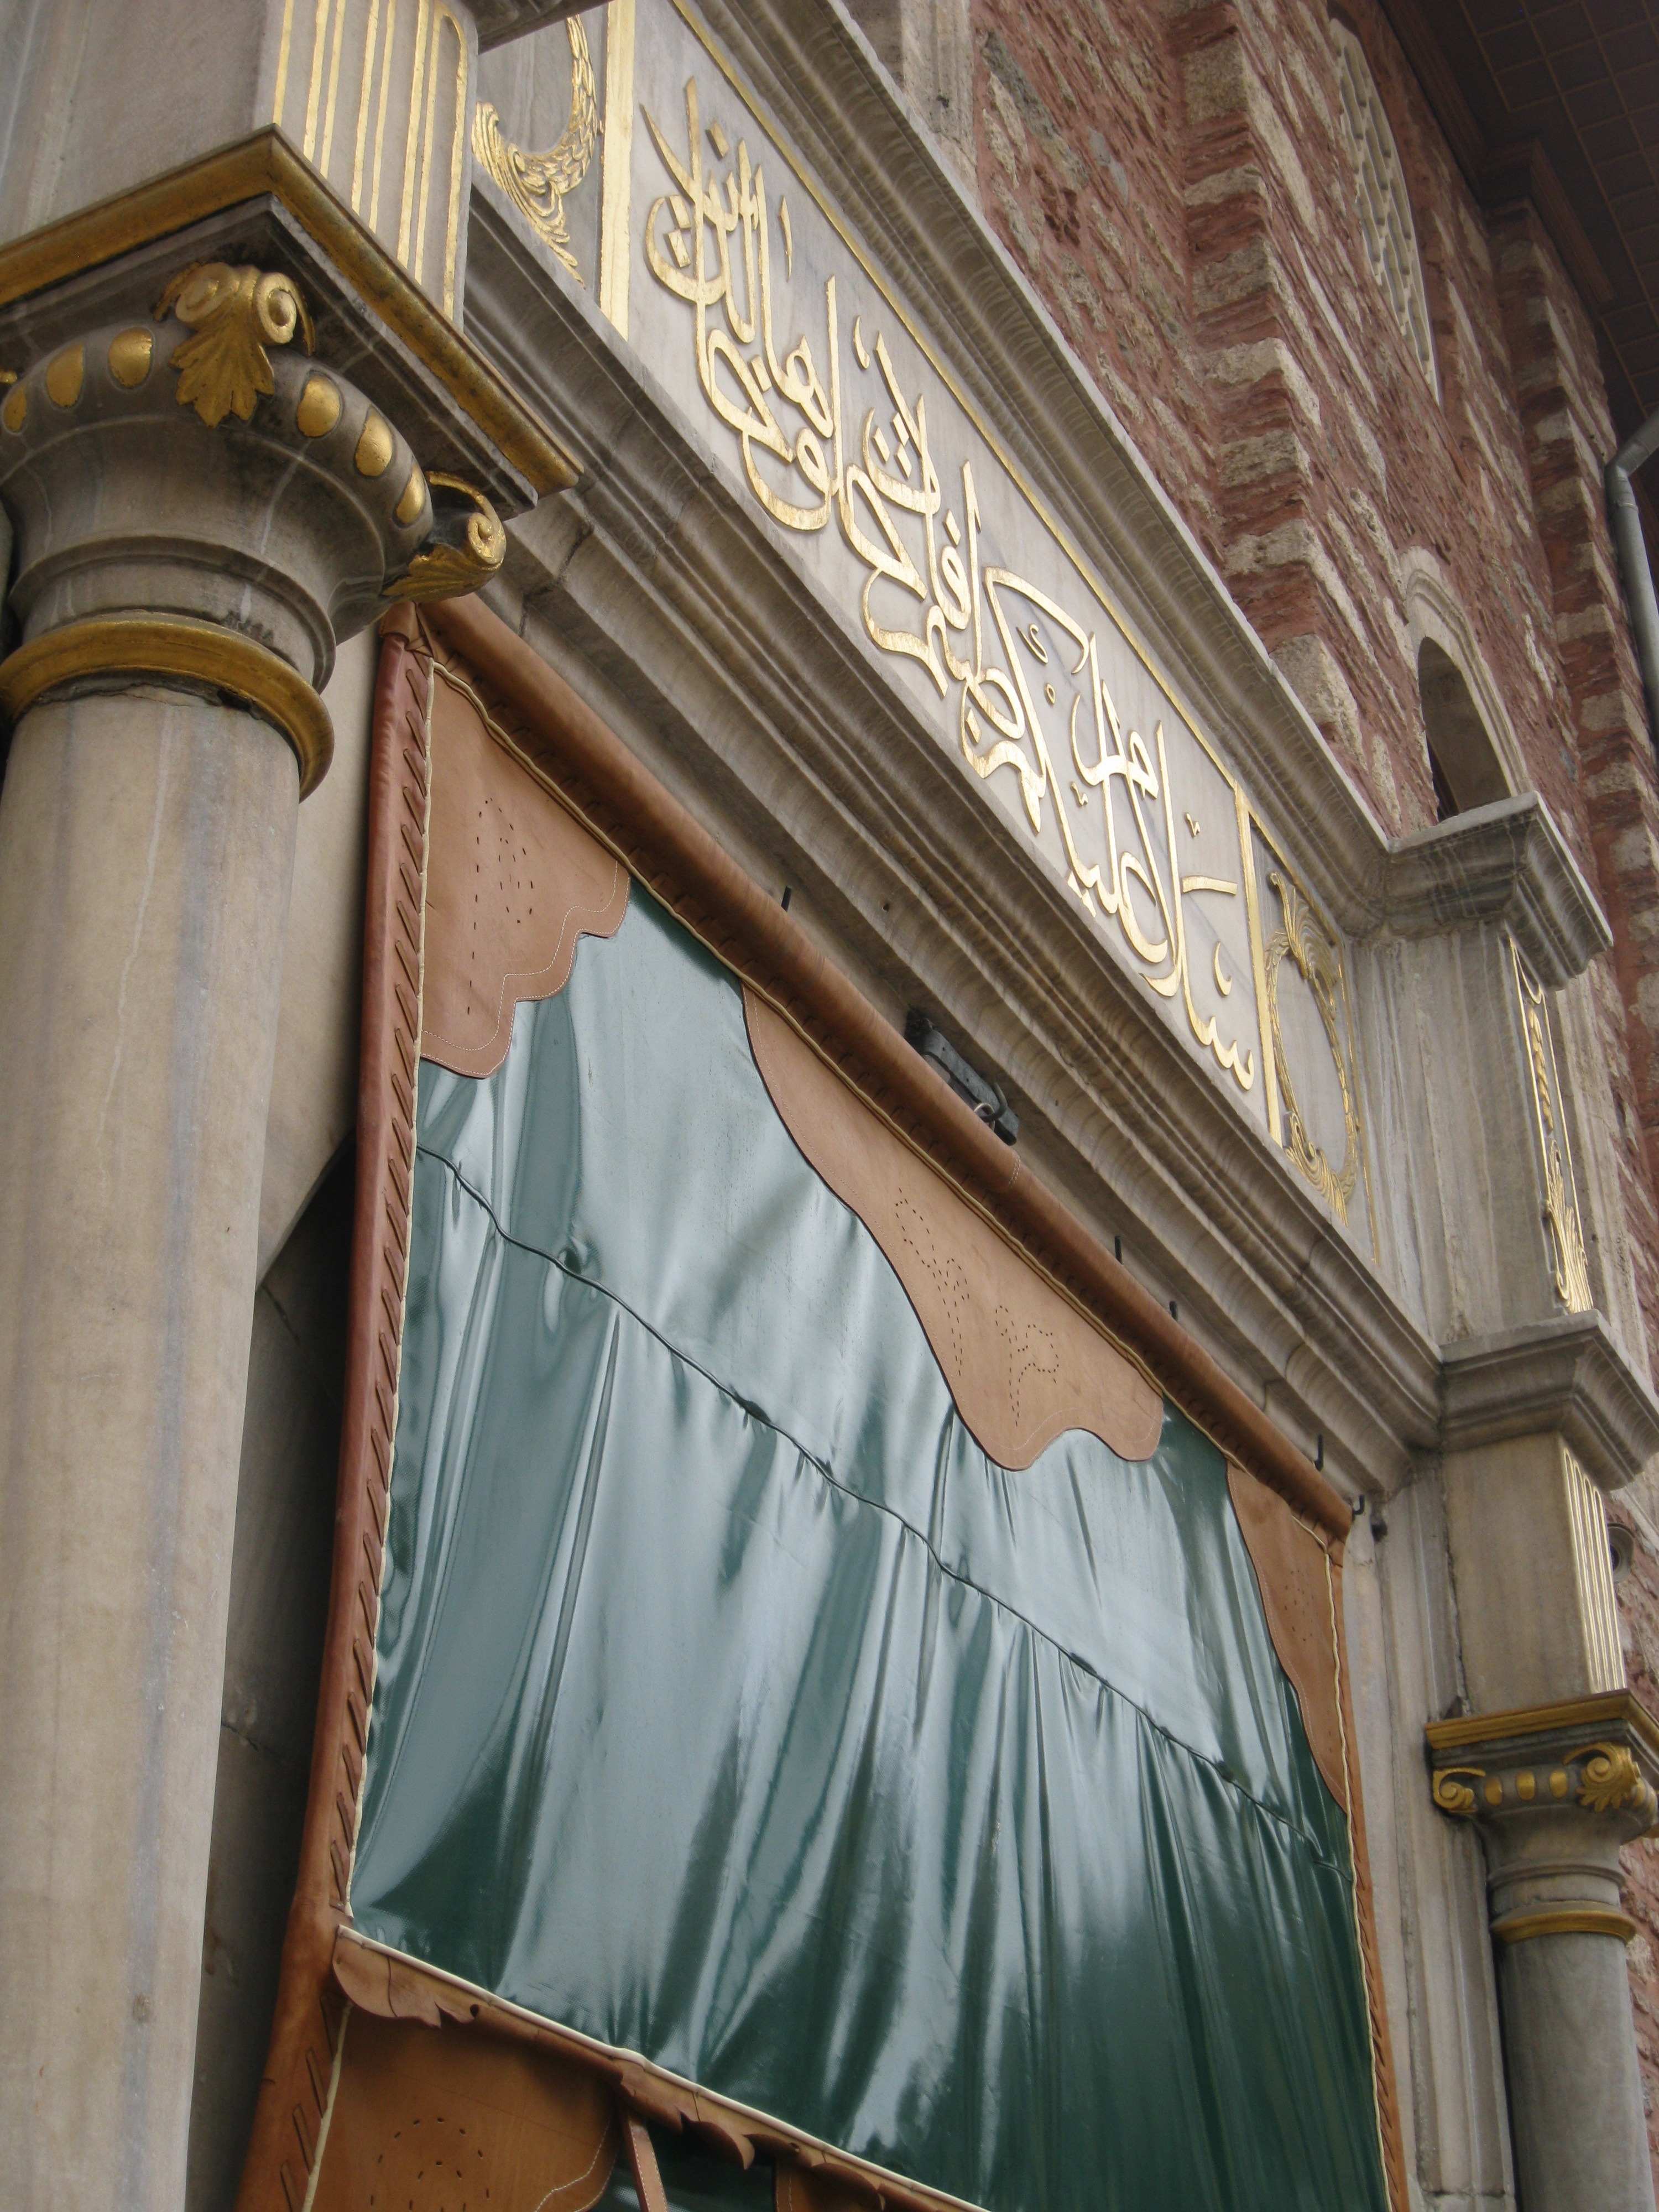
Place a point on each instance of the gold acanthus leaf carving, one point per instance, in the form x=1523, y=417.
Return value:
x=1611, y=1778
x=446, y=567
x=235, y=314
x=539, y=184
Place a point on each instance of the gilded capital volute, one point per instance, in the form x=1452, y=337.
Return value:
x=197, y=498
x=1554, y=1791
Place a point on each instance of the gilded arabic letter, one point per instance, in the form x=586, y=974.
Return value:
x=687, y=179
x=808, y=460
x=836, y=490
x=749, y=191
x=683, y=286
x=767, y=339
x=1179, y=909
x=958, y=671
x=801, y=383
x=759, y=422
x=1084, y=876
x=895, y=564
x=1011, y=723
x=956, y=608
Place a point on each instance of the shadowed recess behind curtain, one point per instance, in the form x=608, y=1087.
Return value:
x=733, y=1706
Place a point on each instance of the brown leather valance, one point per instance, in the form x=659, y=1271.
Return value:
x=512, y=880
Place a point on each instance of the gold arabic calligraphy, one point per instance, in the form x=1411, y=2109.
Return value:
x=709, y=241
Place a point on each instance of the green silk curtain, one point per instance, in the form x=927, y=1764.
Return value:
x=734, y=1708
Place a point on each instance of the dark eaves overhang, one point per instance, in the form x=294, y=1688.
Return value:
x=1560, y=105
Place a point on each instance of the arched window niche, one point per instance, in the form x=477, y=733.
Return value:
x=1474, y=758
x=1385, y=208
x=1461, y=759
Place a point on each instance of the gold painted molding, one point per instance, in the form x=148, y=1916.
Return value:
x=266, y=163
x=1604, y=1710
x=1564, y=1920
x=172, y=645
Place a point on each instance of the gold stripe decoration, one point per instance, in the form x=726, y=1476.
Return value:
x=198, y=653
x=468, y=545
x=1592, y=1557
x=235, y=313
x=1564, y=1920
x=615, y=162
x=1600, y=1711
x=539, y=184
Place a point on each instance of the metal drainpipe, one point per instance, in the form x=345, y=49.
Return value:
x=1633, y=557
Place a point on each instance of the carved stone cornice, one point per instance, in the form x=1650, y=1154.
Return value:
x=258, y=203
x=1566, y=1375
x=498, y=20
x=1505, y=864
x=1555, y=1790
x=195, y=498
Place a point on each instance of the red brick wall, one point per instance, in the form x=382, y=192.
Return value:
x=1172, y=176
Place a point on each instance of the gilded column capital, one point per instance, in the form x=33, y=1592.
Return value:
x=1555, y=1791
x=197, y=498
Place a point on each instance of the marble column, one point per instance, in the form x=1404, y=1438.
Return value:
x=1555, y=1791
x=201, y=509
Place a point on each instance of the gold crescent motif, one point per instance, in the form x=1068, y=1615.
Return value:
x=539, y=184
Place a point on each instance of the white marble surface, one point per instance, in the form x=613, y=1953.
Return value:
x=314, y=1091
x=146, y=849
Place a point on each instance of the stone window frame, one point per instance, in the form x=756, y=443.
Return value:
x=1383, y=203
x=1434, y=616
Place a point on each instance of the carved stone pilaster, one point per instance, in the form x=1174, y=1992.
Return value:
x=1554, y=1792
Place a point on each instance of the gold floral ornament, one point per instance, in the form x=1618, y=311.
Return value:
x=235, y=314
x=539, y=184
x=467, y=546
x=1612, y=1779
x=1319, y=963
